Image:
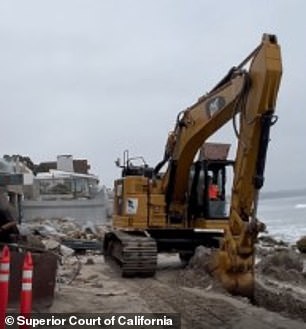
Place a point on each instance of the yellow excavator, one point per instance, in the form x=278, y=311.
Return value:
x=177, y=209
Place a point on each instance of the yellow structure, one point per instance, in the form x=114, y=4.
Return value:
x=156, y=211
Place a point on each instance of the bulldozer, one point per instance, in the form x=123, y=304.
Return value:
x=186, y=204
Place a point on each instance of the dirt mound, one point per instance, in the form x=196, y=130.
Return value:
x=281, y=282
x=197, y=274
x=284, y=265
x=200, y=259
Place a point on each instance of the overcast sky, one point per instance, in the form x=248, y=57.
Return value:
x=92, y=78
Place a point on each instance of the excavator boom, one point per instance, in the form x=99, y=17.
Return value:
x=250, y=92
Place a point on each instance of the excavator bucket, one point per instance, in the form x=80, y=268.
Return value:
x=236, y=283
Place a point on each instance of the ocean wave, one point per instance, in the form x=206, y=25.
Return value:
x=300, y=206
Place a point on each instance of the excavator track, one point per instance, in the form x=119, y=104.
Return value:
x=136, y=255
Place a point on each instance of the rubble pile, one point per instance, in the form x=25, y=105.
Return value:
x=284, y=265
x=77, y=246
x=267, y=245
x=281, y=280
x=279, y=260
x=56, y=234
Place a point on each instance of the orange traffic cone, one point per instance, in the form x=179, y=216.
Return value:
x=4, y=283
x=26, y=287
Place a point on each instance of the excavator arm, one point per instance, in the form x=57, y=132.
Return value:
x=234, y=263
x=252, y=93
x=193, y=127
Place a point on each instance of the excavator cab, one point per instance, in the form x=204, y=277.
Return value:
x=208, y=175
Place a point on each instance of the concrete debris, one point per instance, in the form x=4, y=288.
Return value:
x=66, y=251
x=51, y=244
x=47, y=231
x=24, y=229
x=63, y=228
x=34, y=241
x=89, y=228
x=63, y=237
x=68, y=228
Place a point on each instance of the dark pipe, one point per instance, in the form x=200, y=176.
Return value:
x=267, y=120
x=170, y=188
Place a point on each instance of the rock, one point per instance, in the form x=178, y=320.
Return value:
x=66, y=251
x=51, y=244
x=68, y=227
x=24, y=229
x=34, y=242
x=90, y=261
x=209, y=287
x=267, y=240
x=201, y=259
x=89, y=228
x=301, y=244
x=97, y=285
x=67, y=219
x=47, y=230
x=75, y=235
x=263, y=251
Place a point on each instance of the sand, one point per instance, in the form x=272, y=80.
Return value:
x=88, y=284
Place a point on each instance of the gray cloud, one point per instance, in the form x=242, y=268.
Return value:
x=92, y=78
